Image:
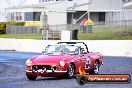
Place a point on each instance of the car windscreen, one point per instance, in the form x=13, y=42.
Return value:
x=69, y=49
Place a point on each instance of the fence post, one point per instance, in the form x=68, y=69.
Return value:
x=109, y=25
x=42, y=30
x=46, y=34
x=126, y=30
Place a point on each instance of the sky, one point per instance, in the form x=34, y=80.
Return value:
x=8, y=3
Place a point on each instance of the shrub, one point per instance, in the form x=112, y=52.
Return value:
x=17, y=23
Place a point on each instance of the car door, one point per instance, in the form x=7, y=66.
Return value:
x=82, y=57
x=85, y=60
x=77, y=58
x=82, y=61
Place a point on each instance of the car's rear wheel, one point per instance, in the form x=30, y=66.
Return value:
x=31, y=77
x=71, y=71
x=95, y=69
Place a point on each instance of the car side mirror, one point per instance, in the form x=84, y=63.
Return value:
x=82, y=50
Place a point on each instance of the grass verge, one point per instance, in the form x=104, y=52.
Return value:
x=99, y=33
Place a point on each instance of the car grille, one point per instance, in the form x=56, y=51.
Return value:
x=43, y=67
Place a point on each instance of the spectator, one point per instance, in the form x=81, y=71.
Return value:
x=87, y=25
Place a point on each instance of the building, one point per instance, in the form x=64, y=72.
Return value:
x=69, y=11
x=127, y=9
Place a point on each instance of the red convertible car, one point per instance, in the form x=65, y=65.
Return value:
x=64, y=58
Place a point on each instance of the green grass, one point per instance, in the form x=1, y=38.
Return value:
x=21, y=36
x=99, y=33
x=103, y=36
x=105, y=33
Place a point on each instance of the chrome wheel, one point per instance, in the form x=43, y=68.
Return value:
x=96, y=68
x=71, y=71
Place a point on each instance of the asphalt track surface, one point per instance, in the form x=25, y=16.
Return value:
x=12, y=73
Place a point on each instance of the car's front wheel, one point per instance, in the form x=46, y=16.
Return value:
x=31, y=77
x=71, y=71
x=95, y=69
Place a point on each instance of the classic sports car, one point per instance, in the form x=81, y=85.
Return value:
x=64, y=58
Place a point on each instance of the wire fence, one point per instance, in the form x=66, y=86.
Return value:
x=16, y=29
x=54, y=31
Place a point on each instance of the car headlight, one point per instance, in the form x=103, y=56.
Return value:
x=62, y=63
x=28, y=62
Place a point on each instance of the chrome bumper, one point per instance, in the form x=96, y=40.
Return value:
x=48, y=71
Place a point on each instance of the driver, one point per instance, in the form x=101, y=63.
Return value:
x=62, y=49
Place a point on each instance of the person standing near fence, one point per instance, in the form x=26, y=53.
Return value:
x=44, y=24
x=87, y=25
x=83, y=25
